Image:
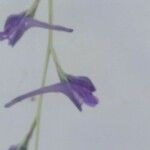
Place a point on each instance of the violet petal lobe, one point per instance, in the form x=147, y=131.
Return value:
x=86, y=95
x=13, y=20
x=15, y=36
x=14, y=28
x=3, y=36
x=82, y=81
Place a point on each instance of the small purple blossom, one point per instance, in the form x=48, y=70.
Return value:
x=17, y=24
x=17, y=147
x=13, y=147
x=78, y=89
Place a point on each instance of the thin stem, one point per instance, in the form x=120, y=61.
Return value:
x=49, y=49
x=40, y=102
x=32, y=9
x=60, y=71
x=30, y=133
x=28, y=136
x=55, y=58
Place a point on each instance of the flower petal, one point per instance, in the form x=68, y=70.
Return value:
x=82, y=81
x=87, y=96
x=3, y=36
x=16, y=35
x=13, y=20
x=90, y=99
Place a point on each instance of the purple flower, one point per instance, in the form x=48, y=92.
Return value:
x=78, y=89
x=16, y=25
x=13, y=147
x=17, y=147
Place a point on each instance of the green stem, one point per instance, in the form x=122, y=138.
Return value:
x=49, y=49
x=60, y=71
x=30, y=133
x=28, y=136
x=31, y=11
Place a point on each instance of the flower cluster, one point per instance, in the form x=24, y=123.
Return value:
x=79, y=89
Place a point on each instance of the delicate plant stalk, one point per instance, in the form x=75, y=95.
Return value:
x=33, y=8
x=49, y=49
x=60, y=71
x=29, y=134
x=24, y=143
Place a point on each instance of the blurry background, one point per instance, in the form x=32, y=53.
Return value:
x=110, y=44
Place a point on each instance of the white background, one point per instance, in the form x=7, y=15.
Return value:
x=111, y=45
